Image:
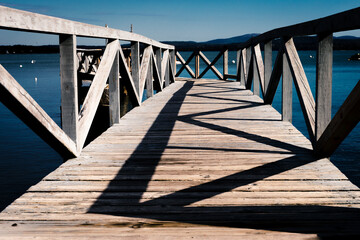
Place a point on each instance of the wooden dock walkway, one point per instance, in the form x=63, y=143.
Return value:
x=203, y=159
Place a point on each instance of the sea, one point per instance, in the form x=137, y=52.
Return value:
x=25, y=159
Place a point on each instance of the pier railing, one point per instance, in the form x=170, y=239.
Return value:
x=154, y=70
x=258, y=72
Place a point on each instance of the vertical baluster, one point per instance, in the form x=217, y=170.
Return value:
x=149, y=80
x=135, y=65
x=286, y=90
x=256, y=77
x=238, y=65
x=114, y=92
x=324, y=61
x=69, y=88
x=197, y=65
x=267, y=63
x=225, y=64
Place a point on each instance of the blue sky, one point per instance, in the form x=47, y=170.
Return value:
x=197, y=20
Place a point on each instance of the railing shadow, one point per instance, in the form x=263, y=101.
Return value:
x=322, y=220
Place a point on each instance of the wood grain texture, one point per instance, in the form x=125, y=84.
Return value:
x=201, y=159
x=69, y=85
x=19, y=20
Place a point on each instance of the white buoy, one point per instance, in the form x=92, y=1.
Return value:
x=21, y=66
x=33, y=61
x=36, y=79
x=233, y=61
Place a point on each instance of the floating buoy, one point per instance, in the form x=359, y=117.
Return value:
x=33, y=61
x=36, y=79
x=21, y=66
x=233, y=61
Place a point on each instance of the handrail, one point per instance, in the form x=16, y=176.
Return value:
x=253, y=69
x=344, y=21
x=18, y=20
x=156, y=71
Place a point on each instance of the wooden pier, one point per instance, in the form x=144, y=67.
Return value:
x=202, y=158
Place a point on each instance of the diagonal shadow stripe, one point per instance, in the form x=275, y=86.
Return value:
x=228, y=183
x=250, y=136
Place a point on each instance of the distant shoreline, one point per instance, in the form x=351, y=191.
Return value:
x=302, y=43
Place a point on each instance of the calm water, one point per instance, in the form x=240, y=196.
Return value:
x=25, y=159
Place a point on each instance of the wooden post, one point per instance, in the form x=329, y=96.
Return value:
x=135, y=65
x=225, y=64
x=286, y=90
x=197, y=65
x=243, y=67
x=238, y=65
x=249, y=67
x=149, y=80
x=256, y=78
x=324, y=61
x=173, y=61
x=114, y=92
x=267, y=63
x=69, y=88
x=158, y=57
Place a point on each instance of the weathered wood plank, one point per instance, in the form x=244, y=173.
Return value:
x=19, y=20
x=267, y=64
x=114, y=92
x=15, y=98
x=259, y=64
x=225, y=63
x=287, y=87
x=69, y=88
x=324, y=60
x=135, y=65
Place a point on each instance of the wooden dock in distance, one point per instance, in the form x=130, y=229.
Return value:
x=203, y=159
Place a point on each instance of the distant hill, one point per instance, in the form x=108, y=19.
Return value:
x=233, y=43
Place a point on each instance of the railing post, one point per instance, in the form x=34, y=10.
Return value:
x=197, y=65
x=286, y=90
x=256, y=78
x=238, y=65
x=324, y=61
x=267, y=63
x=249, y=67
x=149, y=80
x=173, y=62
x=225, y=64
x=114, y=92
x=135, y=65
x=243, y=67
x=69, y=88
x=158, y=57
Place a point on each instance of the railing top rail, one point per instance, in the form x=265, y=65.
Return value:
x=18, y=20
x=344, y=21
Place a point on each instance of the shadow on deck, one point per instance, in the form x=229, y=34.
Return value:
x=326, y=220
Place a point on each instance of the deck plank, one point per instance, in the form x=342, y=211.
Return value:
x=202, y=159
